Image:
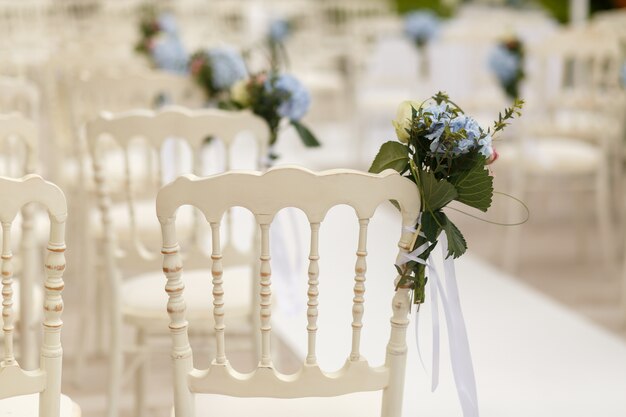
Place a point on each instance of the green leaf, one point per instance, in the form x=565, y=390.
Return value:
x=432, y=223
x=456, y=242
x=392, y=155
x=475, y=187
x=436, y=193
x=308, y=139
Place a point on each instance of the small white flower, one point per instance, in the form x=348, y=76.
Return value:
x=404, y=119
x=239, y=92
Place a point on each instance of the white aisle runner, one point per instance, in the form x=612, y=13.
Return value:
x=532, y=357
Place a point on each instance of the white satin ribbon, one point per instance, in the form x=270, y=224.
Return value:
x=460, y=355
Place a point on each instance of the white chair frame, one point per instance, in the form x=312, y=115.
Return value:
x=264, y=195
x=46, y=380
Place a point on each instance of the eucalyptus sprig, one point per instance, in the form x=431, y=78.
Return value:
x=445, y=153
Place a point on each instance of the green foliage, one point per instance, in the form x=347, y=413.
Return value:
x=474, y=187
x=436, y=193
x=456, y=242
x=148, y=29
x=308, y=139
x=392, y=155
x=438, y=6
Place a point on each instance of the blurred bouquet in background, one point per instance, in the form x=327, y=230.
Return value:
x=159, y=41
x=278, y=32
x=276, y=98
x=445, y=153
x=217, y=70
x=506, y=61
x=421, y=27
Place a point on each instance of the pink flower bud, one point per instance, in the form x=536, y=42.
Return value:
x=494, y=156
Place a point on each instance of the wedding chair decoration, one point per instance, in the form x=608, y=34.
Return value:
x=264, y=195
x=278, y=99
x=421, y=27
x=36, y=392
x=216, y=70
x=506, y=61
x=160, y=43
x=130, y=290
x=444, y=153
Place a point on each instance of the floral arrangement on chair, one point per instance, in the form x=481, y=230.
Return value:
x=421, y=27
x=216, y=70
x=276, y=98
x=445, y=153
x=160, y=42
x=507, y=63
x=278, y=32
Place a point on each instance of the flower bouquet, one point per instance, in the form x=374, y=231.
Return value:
x=278, y=32
x=160, y=42
x=276, y=98
x=507, y=63
x=445, y=153
x=216, y=70
x=421, y=27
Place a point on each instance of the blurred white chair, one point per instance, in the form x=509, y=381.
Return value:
x=18, y=157
x=37, y=392
x=114, y=90
x=264, y=195
x=133, y=291
x=573, y=133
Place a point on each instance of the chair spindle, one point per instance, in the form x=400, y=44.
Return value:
x=359, y=290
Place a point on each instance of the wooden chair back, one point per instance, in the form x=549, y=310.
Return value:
x=46, y=380
x=155, y=128
x=264, y=195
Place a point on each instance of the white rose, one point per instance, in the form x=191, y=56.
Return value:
x=404, y=119
x=239, y=92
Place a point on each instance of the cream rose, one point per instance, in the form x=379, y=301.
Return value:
x=239, y=92
x=404, y=119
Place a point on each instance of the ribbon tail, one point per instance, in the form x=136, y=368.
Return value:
x=417, y=340
x=434, y=304
x=460, y=354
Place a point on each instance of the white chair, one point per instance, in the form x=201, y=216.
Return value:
x=18, y=157
x=37, y=392
x=264, y=195
x=136, y=298
x=571, y=131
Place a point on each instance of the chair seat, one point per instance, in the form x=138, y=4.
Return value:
x=144, y=298
x=28, y=406
x=361, y=404
x=146, y=224
x=560, y=155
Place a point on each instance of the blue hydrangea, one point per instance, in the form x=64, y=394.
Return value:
x=421, y=26
x=227, y=67
x=504, y=64
x=278, y=31
x=440, y=118
x=486, y=146
x=299, y=99
x=167, y=23
x=169, y=54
